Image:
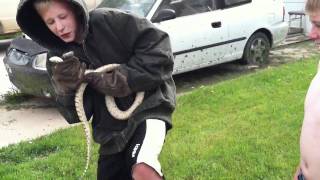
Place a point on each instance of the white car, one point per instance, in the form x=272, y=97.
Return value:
x=208, y=32
x=202, y=32
x=8, y=9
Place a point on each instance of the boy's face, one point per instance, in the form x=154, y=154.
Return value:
x=315, y=30
x=61, y=20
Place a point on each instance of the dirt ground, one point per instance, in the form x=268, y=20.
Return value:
x=38, y=116
x=31, y=119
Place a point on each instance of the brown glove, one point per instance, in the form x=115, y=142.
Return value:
x=68, y=75
x=113, y=83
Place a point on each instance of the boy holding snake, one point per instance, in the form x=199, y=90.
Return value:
x=128, y=149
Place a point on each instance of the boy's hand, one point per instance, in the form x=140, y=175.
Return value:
x=113, y=83
x=68, y=75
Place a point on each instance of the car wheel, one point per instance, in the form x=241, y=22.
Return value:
x=257, y=49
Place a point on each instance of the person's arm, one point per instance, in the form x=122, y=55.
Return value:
x=151, y=62
x=310, y=133
x=66, y=102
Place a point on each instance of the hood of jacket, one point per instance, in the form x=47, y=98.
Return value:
x=32, y=25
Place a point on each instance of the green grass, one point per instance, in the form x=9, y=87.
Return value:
x=245, y=128
x=10, y=36
x=13, y=97
x=58, y=156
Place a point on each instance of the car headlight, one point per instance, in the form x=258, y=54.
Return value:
x=40, y=62
x=18, y=57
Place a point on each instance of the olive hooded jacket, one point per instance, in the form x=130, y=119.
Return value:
x=112, y=36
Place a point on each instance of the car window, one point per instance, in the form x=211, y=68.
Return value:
x=189, y=7
x=229, y=3
x=139, y=7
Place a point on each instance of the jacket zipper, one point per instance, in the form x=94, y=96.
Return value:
x=85, y=49
x=90, y=63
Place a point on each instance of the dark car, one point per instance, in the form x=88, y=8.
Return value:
x=25, y=63
x=202, y=32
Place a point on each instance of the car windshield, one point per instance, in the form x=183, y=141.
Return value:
x=139, y=7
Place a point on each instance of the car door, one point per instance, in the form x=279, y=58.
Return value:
x=197, y=33
x=240, y=26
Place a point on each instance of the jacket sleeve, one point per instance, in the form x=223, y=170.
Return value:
x=66, y=103
x=151, y=62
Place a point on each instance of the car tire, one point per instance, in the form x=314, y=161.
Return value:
x=256, y=51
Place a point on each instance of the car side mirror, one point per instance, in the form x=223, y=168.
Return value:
x=165, y=14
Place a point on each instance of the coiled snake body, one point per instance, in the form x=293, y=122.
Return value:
x=110, y=105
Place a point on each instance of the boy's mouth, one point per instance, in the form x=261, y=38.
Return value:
x=65, y=36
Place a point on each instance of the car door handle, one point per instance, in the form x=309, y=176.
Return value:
x=216, y=24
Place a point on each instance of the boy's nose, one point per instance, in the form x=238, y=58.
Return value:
x=59, y=26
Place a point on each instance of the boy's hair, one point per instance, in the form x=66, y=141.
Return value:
x=312, y=6
x=41, y=4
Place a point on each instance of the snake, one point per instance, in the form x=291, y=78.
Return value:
x=110, y=105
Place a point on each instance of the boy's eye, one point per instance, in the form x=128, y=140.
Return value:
x=62, y=16
x=50, y=22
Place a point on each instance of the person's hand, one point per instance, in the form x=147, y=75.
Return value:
x=68, y=75
x=112, y=83
x=298, y=175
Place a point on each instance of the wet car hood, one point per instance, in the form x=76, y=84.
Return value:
x=26, y=45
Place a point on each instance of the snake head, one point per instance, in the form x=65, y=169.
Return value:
x=68, y=55
x=55, y=59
